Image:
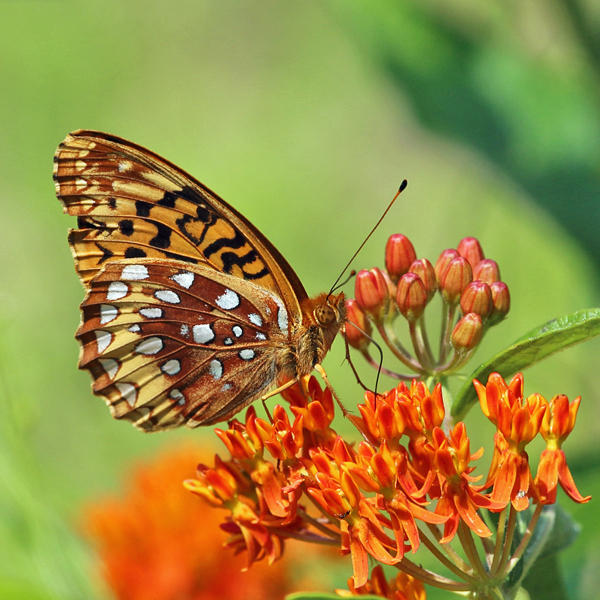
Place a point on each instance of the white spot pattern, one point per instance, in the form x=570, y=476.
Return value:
x=176, y=394
x=135, y=328
x=256, y=319
x=110, y=365
x=117, y=290
x=228, y=341
x=246, y=354
x=184, y=279
x=151, y=313
x=237, y=330
x=150, y=345
x=282, y=319
x=184, y=330
x=167, y=296
x=171, y=367
x=134, y=272
x=228, y=300
x=203, y=334
x=226, y=387
x=128, y=392
x=103, y=339
x=108, y=312
x=261, y=336
x=215, y=368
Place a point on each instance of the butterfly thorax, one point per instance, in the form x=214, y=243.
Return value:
x=322, y=318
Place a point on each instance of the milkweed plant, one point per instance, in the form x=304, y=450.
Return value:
x=408, y=478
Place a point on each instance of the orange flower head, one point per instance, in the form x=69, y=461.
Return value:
x=157, y=542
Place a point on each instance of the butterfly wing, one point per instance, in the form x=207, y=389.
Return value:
x=131, y=203
x=169, y=343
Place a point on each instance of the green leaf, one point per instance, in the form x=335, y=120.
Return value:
x=554, y=531
x=539, y=539
x=545, y=580
x=539, y=343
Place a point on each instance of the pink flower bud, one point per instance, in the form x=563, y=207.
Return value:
x=399, y=254
x=467, y=332
x=455, y=278
x=424, y=269
x=411, y=296
x=477, y=298
x=486, y=270
x=356, y=317
x=371, y=291
x=470, y=248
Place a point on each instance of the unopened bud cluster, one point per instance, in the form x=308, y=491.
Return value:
x=473, y=299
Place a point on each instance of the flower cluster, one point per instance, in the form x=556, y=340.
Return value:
x=156, y=541
x=473, y=300
x=407, y=482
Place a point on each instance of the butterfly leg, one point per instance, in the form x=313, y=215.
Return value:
x=274, y=392
x=321, y=371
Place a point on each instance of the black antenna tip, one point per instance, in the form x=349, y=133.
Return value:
x=403, y=186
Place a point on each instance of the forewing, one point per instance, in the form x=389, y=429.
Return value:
x=131, y=203
x=168, y=343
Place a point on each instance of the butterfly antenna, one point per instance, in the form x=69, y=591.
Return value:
x=349, y=359
x=385, y=212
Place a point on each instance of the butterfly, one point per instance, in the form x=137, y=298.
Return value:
x=190, y=312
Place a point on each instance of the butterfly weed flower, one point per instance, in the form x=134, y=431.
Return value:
x=473, y=300
x=409, y=483
x=156, y=541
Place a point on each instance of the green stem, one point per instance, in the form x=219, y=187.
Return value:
x=431, y=578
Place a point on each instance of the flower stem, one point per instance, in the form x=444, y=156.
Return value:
x=448, y=313
x=437, y=552
x=431, y=578
x=526, y=537
x=499, y=538
x=377, y=366
x=449, y=550
x=390, y=338
x=510, y=532
x=466, y=539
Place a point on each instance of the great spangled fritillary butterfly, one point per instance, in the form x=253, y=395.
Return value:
x=191, y=313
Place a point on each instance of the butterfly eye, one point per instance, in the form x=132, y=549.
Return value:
x=325, y=314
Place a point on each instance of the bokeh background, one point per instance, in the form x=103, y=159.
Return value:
x=305, y=116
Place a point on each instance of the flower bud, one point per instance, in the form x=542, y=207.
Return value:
x=411, y=296
x=399, y=254
x=443, y=261
x=455, y=278
x=501, y=301
x=467, y=332
x=424, y=269
x=477, y=298
x=486, y=270
x=355, y=316
x=371, y=291
x=470, y=248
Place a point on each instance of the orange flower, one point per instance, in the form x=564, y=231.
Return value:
x=518, y=421
x=158, y=543
x=401, y=587
x=557, y=424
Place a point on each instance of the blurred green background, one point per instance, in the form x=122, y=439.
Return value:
x=305, y=116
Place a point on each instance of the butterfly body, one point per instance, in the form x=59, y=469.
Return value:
x=191, y=313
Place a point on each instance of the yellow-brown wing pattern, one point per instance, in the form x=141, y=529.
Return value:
x=131, y=203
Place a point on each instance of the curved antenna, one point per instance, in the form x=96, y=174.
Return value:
x=385, y=212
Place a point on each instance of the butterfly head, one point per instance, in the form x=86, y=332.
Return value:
x=328, y=312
